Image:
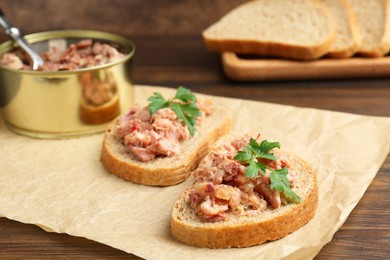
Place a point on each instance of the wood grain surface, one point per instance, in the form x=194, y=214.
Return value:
x=252, y=68
x=170, y=52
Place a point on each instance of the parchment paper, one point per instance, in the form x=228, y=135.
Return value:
x=61, y=186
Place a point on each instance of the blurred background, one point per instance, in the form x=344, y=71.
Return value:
x=143, y=22
x=170, y=50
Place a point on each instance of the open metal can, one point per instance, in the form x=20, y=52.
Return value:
x=53, y=104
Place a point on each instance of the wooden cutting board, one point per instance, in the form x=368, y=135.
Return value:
x=255, y=69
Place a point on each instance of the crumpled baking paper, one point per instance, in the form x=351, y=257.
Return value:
x=61, y=186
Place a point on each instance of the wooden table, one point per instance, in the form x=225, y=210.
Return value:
x=170, y=52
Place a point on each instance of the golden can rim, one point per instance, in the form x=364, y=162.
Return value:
x=85, y=34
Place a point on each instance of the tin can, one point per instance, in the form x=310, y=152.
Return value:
x=53, y=104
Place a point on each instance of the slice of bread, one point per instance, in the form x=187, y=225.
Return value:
x=165, y=171
x=248, y=230
x=297, y=29
x=347, y=38
x=373, y=20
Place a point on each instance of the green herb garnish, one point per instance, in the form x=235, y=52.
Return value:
x=280, y=183
x=249, y=157
x=184, y=105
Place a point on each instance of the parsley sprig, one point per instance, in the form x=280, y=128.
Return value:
x=184, y=105
x=249, y=157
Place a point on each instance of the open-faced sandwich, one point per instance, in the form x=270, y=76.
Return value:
x=159, y=144
x=246, y=192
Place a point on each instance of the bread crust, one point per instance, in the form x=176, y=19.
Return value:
x=269, y=48
x=246, y=231
x=164, y=171
x=383, y=46
x=356, y=40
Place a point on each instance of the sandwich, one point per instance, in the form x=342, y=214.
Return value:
x=161, y=143
x=245, y=192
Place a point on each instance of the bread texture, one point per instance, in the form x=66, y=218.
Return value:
x=347, y=38
x=165, y=171
x=296, y=29
x=373, y=20
x=248, y=230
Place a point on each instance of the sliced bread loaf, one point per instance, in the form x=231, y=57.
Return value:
x=373, y=20
x=297, y=29
x=347, y=38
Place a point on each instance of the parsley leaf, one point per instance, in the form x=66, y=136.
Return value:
x=249, y=156
x=280, y=183
x=157, y=102
x=182, y=115
x=184, y=95
x=183, y=104
x=244, y=156
x=262, y=150
x=253, y=169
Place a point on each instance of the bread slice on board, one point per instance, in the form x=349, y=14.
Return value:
x=297, y=29
x=373, y=19
x=165, y=171
x=249, y=230
x=347, y=38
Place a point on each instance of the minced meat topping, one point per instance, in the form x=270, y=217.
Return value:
x=83, y=54
x=148, y=136
x=222, y=188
